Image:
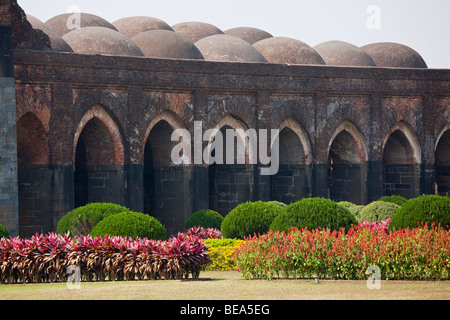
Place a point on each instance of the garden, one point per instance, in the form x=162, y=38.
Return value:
x=313, y=239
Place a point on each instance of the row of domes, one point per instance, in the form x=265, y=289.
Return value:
x=151, y=37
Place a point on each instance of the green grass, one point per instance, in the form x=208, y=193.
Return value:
x=229, y=285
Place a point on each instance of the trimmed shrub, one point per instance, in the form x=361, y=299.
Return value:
x=221, y=253
x=204, y=218
x=314, y=213
x=249, y=218
x=378, y=211
x=398, y=200
x=130, y=224
x=354, y=209
x=3, y=231
x=423, y=209
x=278, y=203
x=81, y=220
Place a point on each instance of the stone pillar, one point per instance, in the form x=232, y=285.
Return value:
x=374, y=185
x=9, y=212
x=427, y=170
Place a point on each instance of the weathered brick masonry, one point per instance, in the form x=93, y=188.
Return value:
x=98, y=128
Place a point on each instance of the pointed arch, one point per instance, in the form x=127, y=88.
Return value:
x=167, y=121
x=349, y=129
x=32, y=141
x=301, y=134
x=402, y=157
x=35, y=185
x=100, y=116
x=98, y=157
x=292, y=182
x=347, y=158
x=165, y=194
x=243, y=133
x=231, y=183
x=410, y=146
x=442, y=162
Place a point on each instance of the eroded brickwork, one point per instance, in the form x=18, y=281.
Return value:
x=98, y=128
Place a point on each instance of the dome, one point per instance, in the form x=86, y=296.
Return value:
x=195, y=31
x=131, y=26
x=59, y=23
x=251, y=35
x=340, y=53
x=57, y=43
x=166, y=44
x=389, y=54
x=222, y=47
x=99, y=40
x=288, y=50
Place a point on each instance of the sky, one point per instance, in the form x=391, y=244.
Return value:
x=423, y=25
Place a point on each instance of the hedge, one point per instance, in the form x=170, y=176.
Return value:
x=130, y=224
x=313, y=213
x=3, y=231
x=423, y=209
x=81, y=220
x=354, y=209
x=204, y=218
x=378, y=211
x=398, y=200
x=249, y=218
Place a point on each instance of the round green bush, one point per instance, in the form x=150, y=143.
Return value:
x=3, y=231
x=354, y=209
x=204, y=218
x=425, y=208
x=278, y=203
x=398, y=200
x=314, y=213
x=81, y=220
x=130, y=224
x=378, y=211
x=249, y=218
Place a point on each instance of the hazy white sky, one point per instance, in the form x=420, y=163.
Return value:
x=424, y=25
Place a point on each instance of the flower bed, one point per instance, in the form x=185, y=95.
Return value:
x=422, y=253
x=221, y=252
x=46, y=258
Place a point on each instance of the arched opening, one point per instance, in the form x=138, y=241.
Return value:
x=346, y=169
x=442, y=164
x=166, y=184
x=230, y=182
x=401, y=158
x=34, y=177
x=99, y=172
x=292, y=181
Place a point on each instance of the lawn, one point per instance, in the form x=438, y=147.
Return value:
x=229, y=285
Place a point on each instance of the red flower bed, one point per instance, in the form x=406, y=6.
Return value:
x=46, y=258
x=422, y=253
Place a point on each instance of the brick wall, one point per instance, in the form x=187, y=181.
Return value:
x=136, y=94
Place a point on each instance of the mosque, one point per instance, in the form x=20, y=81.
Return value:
x=88, y=108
